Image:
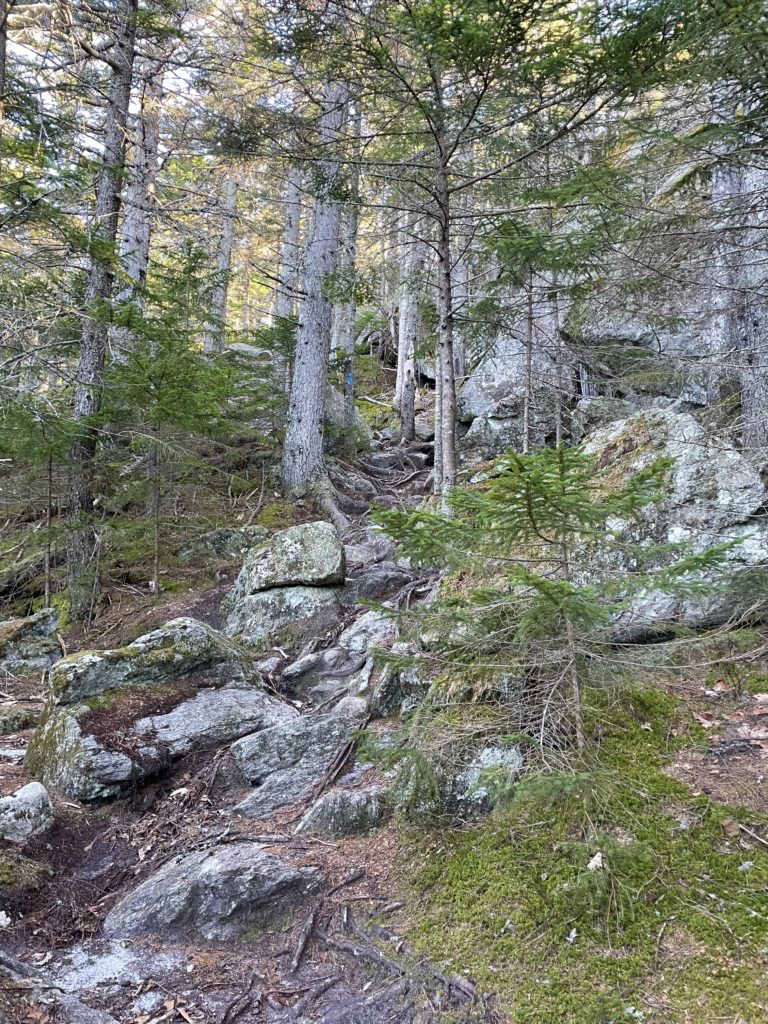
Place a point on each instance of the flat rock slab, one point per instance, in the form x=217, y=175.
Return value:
x=213, y=717
x=222, y=893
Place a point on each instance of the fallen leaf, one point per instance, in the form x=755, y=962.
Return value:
x=705, y=718
x=731, y=828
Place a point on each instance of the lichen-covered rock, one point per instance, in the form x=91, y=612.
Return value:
x=590, y=414
x=223, y=893
x=346, y=812
x=715, y=496
x=373, y=629
x=283, y=762
x=306, y=555
x=497, y=383
x=226, y=542
x=182, y=649
x=65, y=755
x=25, y=813
x=74, y=763
x=490, y=773
x=209, y=719
x=283, y=615
x=29, y=644
x=399, y=688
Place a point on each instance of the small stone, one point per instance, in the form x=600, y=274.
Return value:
x=26, y=813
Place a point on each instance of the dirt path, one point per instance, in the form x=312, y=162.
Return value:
x=341, y=960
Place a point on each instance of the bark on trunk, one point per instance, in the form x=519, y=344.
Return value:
x=93, y=346
x=139, y=206
x=409, y=324
x=302, y=466
x=346, y=312
x=285, y=293
x=445, y=370
x=213, y=340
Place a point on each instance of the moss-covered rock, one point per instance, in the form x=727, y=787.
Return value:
x=67, y=758
x=224, y=543
x=182, y=649
x=28, y=644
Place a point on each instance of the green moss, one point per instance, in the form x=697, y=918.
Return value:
x=19, y=873
x=514, y=901
x=13, y=721
x=277, y=515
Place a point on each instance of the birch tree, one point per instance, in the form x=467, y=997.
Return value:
x=140, y=203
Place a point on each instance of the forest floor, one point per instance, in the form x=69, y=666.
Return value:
x=633, y=888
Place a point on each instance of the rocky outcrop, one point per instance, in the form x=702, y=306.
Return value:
x=346, y=812
x=289, y=589
x=349, y=661
x=491, y=400
x=716, y=497
x=118, y=717
x=29, y=644
x=282, y=763
x=232, y=891
x=183, y=649
x=26, y=813
x=590, y=414
x=285, y=615
x=88, y=752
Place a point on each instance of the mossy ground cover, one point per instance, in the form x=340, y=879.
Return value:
x=670, y=926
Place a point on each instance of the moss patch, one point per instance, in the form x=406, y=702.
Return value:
x=521, y=903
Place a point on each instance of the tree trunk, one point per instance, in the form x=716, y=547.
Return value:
x=285, y=293
x=5, y=9
x=213, y=340
x=139, y=206
x=93, y=346
x=528, y=392
x=445, y=369
x=303, y=466
x=346, y=312
x=409, y=325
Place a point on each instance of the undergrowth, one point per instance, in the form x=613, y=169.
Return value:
x=609, y=894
